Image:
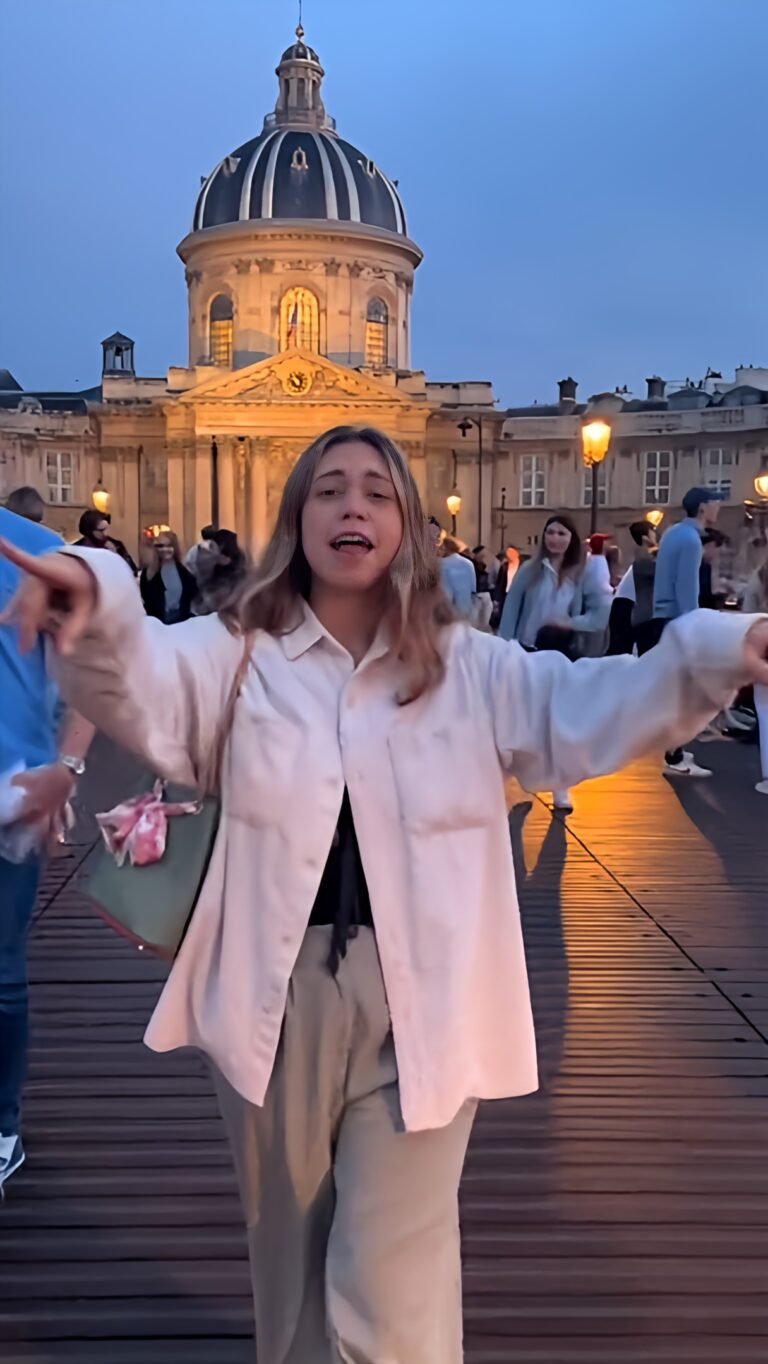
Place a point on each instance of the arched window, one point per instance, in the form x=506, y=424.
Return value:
x=376, y=320
x=299, y=320
x=221, y=331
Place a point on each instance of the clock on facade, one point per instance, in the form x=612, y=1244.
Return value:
x=296, y=382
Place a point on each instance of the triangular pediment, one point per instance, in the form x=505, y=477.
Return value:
x=294, y=377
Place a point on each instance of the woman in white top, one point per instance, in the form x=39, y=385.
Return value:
x=364, y=773
x=756, y=599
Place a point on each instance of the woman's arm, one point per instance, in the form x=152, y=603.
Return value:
x=557, y=723
x=513, y=603
x=159, y=692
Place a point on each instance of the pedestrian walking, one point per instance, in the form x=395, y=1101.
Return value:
x=26, y=502
x=96, y=533
x=41, y=754
x=219, y=567
x=676, y=590
x=554, y=589
x=458, y=577
x=632, y=607
x=354, y=965
x=509, y=563
x=167, y=588
x=756, y=599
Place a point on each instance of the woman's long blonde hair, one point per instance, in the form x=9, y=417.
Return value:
x=268, y=596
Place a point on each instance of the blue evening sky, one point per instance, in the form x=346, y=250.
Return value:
x=585, y=177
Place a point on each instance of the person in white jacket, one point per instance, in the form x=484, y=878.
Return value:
x=756, y=599
x=354, y=966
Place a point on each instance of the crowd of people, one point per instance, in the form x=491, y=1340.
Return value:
x=353, y=966
x=574, y=596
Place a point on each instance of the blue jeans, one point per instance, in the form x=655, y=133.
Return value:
x=18, y=889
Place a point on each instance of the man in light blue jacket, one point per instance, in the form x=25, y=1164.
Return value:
x=458, y=577
x=676, y=588
x=29, y=729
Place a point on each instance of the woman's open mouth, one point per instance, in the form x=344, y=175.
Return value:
x=352, y=544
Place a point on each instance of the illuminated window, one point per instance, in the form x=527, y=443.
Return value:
x=533, y=481
x=299, y=320
x=221, y=333
x=376, y=320
x=658, y=477
x=58, y=475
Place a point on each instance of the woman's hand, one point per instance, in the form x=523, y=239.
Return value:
x=756, y=652
x=57, y=596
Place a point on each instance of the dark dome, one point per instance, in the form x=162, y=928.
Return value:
x=299, y=172
x=299, y=52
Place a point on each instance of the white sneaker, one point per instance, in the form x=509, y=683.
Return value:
x=11, y=1157
x=561, y=800
x=685, y=769
x=738, y=719
x=762, y=787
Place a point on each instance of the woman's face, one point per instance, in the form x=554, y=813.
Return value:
x=351, y=525
x=557, y=538
x=164, y=549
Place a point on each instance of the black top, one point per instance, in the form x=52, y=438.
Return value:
x=153, y=593
x=342, y=898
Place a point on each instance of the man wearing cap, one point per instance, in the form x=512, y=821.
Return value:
x=676, y=587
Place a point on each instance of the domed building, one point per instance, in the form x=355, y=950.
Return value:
x=299, y=239
x=299, y=270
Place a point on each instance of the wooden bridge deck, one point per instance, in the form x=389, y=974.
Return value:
x=618, y=1217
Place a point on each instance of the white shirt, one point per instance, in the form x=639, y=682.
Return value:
x=626, y=588
x=425, y=782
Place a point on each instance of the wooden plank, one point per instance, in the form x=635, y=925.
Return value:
x=620, y=1216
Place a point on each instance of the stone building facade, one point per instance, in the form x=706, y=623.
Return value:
x=300, y=274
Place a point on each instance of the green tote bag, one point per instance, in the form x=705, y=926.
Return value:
x=152, y=905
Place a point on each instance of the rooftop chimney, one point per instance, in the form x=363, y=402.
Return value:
x=656, y=387
x=567, y=389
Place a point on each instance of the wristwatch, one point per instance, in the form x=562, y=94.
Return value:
x=74, y=765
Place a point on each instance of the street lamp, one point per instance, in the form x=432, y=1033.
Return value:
x=453, y=503
x=595, y=439
x=100, y=498
x=453, y=500
x=655, y=517
x=464, y=426
x=761, y=485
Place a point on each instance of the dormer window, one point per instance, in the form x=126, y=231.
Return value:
x=299, y=160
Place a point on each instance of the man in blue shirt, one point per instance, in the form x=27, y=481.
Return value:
x=676, y=588
x=28, y=735
x=458, y=577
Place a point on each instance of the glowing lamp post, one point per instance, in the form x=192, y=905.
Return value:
x=453, y=503
x=761, y=485
x=100, y=499
x=655, y=517
x=595, y=439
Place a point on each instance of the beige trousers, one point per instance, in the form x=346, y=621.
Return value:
x=353, y=1226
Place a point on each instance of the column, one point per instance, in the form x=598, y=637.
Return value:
x=176, y=490
x=259, y=523
x=227, y=515
x=202, y=484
